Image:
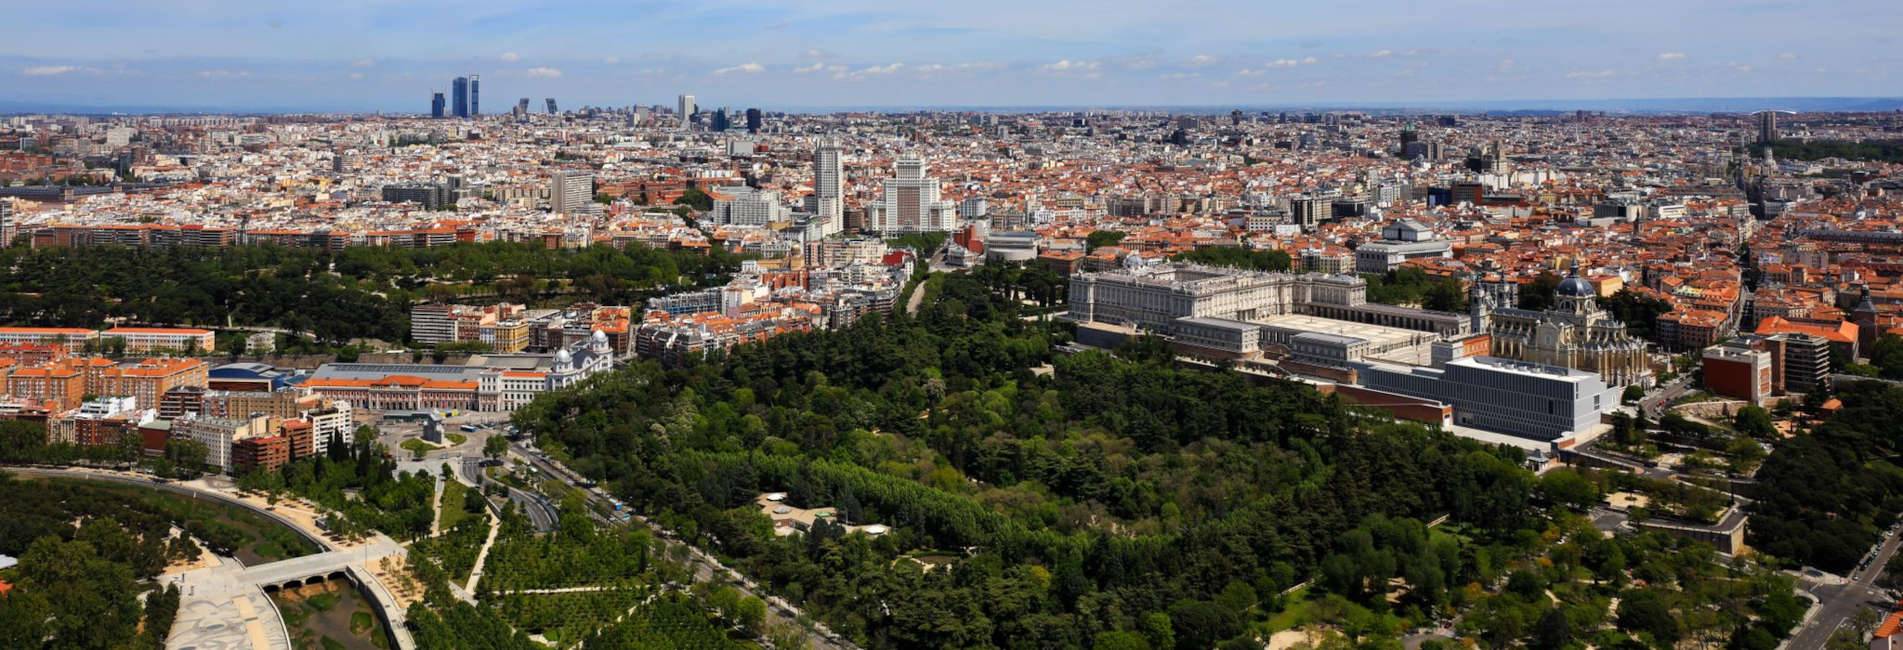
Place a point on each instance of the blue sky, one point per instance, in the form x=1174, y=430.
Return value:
x=386, y=55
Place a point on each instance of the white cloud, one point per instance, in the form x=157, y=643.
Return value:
x=1201, y=60
x=49, y=70
x=1283, y=63
x=356, y=75
x=1591, y=74
x=1505, y=66
x=1310, y=61
x=1787, y=56
x=1179, y=76
x=1382, y=54
x=1247, y=72
x=223, y=74
x=611, y=60
x=1743, y=67
x=1067, y=65
x=545, y=72
x=930, y=68
x=877, y=70
x=744, y=68
x=1671, y=56
x=363, y=62
x=510, y=57
x=809, y=69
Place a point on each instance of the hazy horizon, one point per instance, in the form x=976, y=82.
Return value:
x=360, y=56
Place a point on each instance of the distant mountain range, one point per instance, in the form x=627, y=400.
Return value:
x=1682, y=105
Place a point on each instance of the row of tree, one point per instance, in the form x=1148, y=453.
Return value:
x=335, y=296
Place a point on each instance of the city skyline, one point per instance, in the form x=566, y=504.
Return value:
x=362, y=57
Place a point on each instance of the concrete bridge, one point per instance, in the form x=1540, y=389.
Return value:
x=228, y=605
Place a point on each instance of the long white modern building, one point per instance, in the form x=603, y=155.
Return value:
x=1516, y=397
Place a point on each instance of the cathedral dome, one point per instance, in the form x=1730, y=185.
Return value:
x=1576, y=287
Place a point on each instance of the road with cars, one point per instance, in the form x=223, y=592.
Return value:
x=1839, y=600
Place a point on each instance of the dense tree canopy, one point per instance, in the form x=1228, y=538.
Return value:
x=358, y=292
x=1824, y=498
x=1109, y=495
x=1237, y=256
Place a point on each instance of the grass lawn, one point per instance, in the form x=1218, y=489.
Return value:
x=454, y=493
x=417, y=444
x=457, y=438
x=1295, y=614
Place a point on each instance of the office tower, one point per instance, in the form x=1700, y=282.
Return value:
x=459, y=97
x=571, y=191
x=475, y=95
x=551, y=105
x=436, y=106
x=720, y=119
x=753, y=120
x=829, y=184
x=747, y=206
x=522, y=106
x=911, y=202
x=685, y=106
x=6, y=215
x=1767, y=127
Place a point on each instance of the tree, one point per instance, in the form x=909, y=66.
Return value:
x=91, y=598
x=1568, y=487
x=1644, y=612
x=188, y=455
x=1539, y=295
x=1887, y=356
x=1553, y=630
x=1201, y=624
x=696, y=199
x=495, y=447
x=1101, y=238
x=1120, y=640
x=1753, y=420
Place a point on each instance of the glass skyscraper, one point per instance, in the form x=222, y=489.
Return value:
x=459, y=96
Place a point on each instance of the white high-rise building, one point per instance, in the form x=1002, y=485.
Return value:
x=571, y=191
x=829, y=186
x=911, y=202
x=746, y=206
x=686, y=108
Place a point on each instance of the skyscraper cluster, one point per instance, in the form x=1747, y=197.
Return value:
x=465, y=94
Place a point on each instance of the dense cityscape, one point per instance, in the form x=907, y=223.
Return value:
x=719, y=374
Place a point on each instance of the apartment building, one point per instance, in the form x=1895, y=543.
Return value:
x=148, y=380
x=73, y=339
x=219, y=434
x=156, y=340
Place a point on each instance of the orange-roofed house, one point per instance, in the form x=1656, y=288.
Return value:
x=1842, y=335
x=58, y=383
